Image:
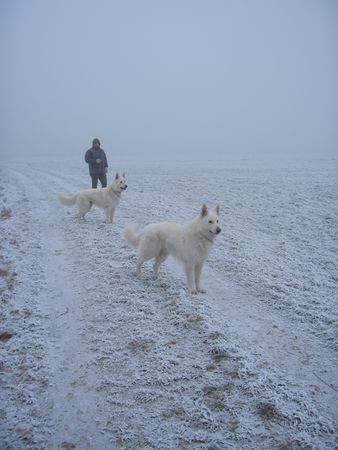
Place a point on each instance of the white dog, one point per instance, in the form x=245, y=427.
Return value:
x=107, y=198
x=189, y=243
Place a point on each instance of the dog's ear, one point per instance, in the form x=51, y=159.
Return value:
x=124, y=175
x=204, y=210
x=217, y=209
x=117, y=176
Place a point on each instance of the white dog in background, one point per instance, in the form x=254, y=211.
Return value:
x=190, y=243
x=107, y=198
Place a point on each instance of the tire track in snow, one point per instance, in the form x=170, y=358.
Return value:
x=72, y=401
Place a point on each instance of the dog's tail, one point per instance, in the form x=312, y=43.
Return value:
x=67, y=200
x=132, y=237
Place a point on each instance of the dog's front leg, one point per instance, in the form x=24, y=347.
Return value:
x=198, y=271
x=109, y=214
x=189, y=271
x=112, y=211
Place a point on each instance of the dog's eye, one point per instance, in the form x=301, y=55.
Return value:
x=211, y=221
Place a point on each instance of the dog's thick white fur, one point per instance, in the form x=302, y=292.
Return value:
x=190, y=243
x=107, y=198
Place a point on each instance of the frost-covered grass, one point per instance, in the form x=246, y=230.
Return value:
x=98, y=358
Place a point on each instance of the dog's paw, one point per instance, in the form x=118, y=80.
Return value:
x=193, y=291
x=202, y=291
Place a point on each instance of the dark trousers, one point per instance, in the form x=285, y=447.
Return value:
x=99, y=176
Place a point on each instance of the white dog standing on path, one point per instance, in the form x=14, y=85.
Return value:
x=107, y=198
x=190, y=243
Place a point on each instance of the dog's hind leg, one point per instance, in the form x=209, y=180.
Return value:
x=148, y=249
x=84, y=207
x=158, y=261
x=189, y=271
x=198, y=271
x=141, y=259
x=139, y=266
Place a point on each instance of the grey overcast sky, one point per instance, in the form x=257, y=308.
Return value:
x=164, y=79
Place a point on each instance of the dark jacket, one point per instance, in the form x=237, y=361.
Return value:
x=91, y=156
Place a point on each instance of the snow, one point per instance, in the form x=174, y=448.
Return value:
x=96, y=358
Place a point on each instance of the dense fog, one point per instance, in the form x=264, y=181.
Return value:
x=169, y=80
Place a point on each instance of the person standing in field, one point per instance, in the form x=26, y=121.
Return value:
x=98, y=165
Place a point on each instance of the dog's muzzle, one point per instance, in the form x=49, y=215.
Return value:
x=218, y=230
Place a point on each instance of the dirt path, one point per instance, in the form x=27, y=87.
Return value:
x=72, y=401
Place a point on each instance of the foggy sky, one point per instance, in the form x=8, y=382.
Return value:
x=169, y=78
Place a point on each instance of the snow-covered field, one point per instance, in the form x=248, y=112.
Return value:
x=94, y=358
